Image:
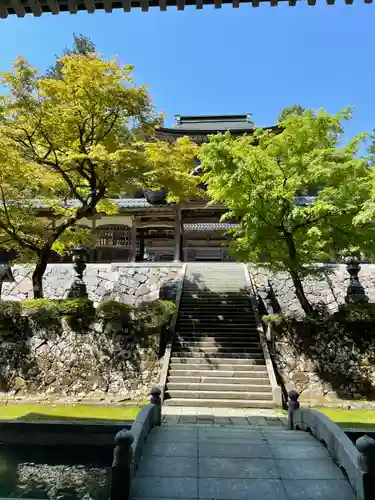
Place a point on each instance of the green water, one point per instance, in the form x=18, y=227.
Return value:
x=42, y=472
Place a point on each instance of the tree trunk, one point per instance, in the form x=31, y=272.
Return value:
x=305, y=304
x=38, y=273
x=298, y=287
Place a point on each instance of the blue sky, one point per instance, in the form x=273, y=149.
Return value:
x=227, y=60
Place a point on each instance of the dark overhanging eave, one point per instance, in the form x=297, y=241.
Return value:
x=180, y=132
x=36, y=8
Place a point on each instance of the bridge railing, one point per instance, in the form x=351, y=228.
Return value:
x=357, y=461
x=128, y=447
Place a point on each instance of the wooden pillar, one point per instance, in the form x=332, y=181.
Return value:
x=133, y=252
x=141, y=244
x=177, y=235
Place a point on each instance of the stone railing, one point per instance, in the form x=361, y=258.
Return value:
x=276, y=389
x=168, y=349
x=357, y=461
x=129, y=444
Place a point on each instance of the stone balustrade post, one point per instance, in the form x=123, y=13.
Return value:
x=293, y=405
x=155, y=400
x=122, y=466
x=355, y=292
x=366, y=462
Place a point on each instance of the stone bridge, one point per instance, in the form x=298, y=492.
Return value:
x=309, y=458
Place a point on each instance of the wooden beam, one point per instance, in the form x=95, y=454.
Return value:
x=217, y=4
x=255, y=3
x=90, y=6
x=35, y=7
x=108, y=6
x=3, y=11
x=349, y=2
x=72, y=5
x=180, y=4
x=292, y=3
x=199, y=4
x=274, y=3
x=126, y=5
x=19, y=9
x=311, y=2
x=53, y=7
x=145, y=5
x=330, y=2
x=368, y=1
x=163, y=5
x=236, y=4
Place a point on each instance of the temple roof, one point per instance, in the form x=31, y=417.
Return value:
x=200, y=127
x=39, y=7
x=138, y=203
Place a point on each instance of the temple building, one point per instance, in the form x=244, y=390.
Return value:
x=149, y=228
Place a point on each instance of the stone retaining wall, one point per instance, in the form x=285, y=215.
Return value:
x=100, y=362
x=125, y=282
x=329, y=289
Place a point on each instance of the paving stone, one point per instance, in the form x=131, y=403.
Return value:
x=318, y=489
x=232, y=434
x=188, y=419
x=165, y=487
x=238, y=468
x=155, y=466
x=298, y=451
x=173, y=435
x=297, y=437
x=233, y=449
x=171, y=419
x=261, y=421
x=241, y=421
x=222, y=420
x=241, y=489
x=309, y=469
x=273, y=422
x=173, y=450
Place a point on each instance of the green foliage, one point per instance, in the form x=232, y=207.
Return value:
x=273, y=319
x=153, y=316
x=295, y=109
x=9, y=309
x=82, y=45
x=259, y=179
x=113, y=310
x=80, y=307
x=356, y=313
x=84, y=136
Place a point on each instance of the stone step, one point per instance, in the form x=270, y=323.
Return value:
x=204, y=387
x=219, y=403
x=215, y=363
x=228, y=330
x=218, y=394
x=215, y=350
x=218, y=337
x=247, y=372
x=216, y=315
x=216, y=343
x=217, y=355
x=240, y=321
x=247, y=381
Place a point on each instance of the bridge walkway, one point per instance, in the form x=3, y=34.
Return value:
x=200, y=461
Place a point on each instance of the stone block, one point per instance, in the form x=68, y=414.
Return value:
x=241, y=489
x=234, y=449
x=300, y=452
x=159, y=466
x=165, y=487
x=238, y=468
x=318, y=489
x=174, y=450
x=309, y=469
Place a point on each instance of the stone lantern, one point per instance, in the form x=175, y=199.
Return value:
x=78, y=287
x=355, y=292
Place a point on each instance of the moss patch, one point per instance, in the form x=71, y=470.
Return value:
x=68, y=412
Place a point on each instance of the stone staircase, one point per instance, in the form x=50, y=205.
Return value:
x=217, y=359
